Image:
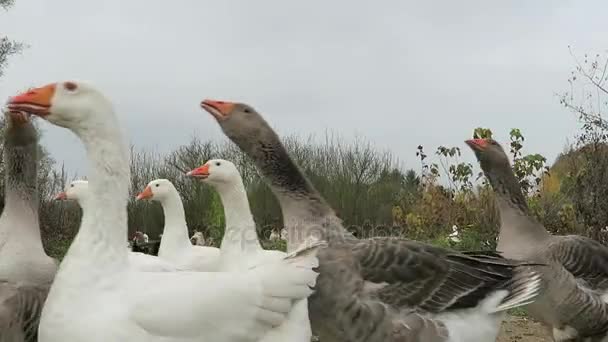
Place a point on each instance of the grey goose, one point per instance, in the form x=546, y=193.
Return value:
x=26, y=271
x=380, y=289
x=573, y=305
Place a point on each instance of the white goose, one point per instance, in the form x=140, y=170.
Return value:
x=26, y=271
x=240, y=248
x=95, y=295
x=274, y=236
x=175, y=246
x=78, y=191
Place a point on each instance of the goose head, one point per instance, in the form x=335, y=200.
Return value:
x=20, y=130
x=216, y=172
x=73, y=105
x=157, y=190
x=244, y=126
x=76, y=190
x=198, y=239
x=490, y=155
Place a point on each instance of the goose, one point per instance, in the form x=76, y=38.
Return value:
x=240, y=248
x=26, y=271
x=274, y=236
x=78, y=191
x=240, y=240
x=453, y=236
x=197, y=239
x=573, y=305
x=175, y=246
x=140, y=237
x=97, y=297
x=380, y=289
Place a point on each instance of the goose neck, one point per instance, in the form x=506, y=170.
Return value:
x=21, y=191
x=240, y=226
x=517, y=224
x=103, y=228
x=175, y=232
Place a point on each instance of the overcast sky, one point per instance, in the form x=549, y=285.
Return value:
x=400, y=73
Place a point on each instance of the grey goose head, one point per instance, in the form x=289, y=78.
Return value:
x=497, y=168
x=301, y=203
x=19, y=129
x=243, y=125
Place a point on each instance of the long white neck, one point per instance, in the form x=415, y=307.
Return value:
x=240, y=227
x=103, y=229
x=175, y=234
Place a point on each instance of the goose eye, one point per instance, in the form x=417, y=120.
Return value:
x=157, y=185
x=71, y=185
x=217, y=164
x=246, y=110
x=71, y=86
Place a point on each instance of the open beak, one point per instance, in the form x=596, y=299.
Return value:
x=219, y=109
x=477, y=144
x=62, y=196
x=200, y=172
x=36, y=101
x=146, y=194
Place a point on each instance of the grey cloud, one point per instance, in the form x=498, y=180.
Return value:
x=400, y=73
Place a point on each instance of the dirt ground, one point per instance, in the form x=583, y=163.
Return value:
x=521, y=329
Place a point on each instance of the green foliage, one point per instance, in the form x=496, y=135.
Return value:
x=482, y=133
x=7, y=47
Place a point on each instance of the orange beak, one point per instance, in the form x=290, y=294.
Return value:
x=36, y=101
x=146, y=194
x=62, y=196
x=219, y=109
x=200, y=172
x=477, y=144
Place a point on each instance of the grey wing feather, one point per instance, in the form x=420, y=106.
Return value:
x=432, y=279
x=584, y=258
x=414, y=282
x=20, y=308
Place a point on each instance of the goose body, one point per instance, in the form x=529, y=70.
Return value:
x=96, y=296
x=382, y=289
x=78, y=191
x=574, y=304
x=240, y=248
x=175, y=246
x=26, y=271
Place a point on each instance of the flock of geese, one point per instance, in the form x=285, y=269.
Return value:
x=329, y=284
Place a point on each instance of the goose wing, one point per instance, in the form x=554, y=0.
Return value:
x=20, y=308
x=432, y=279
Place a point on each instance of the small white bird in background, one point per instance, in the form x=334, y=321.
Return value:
x=284, y=234
x=140, y=237
x=454, y=234
x=274, y=235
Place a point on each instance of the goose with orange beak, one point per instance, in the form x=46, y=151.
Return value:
x=175, y=246
x=574, y=304
x=380, y=289
x=78, y=191
x=26, y=271
x=180, y=306
x=240, y=248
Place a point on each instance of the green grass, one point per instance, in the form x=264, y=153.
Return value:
x=519, y=312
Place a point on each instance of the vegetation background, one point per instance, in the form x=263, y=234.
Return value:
x=370, y=189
